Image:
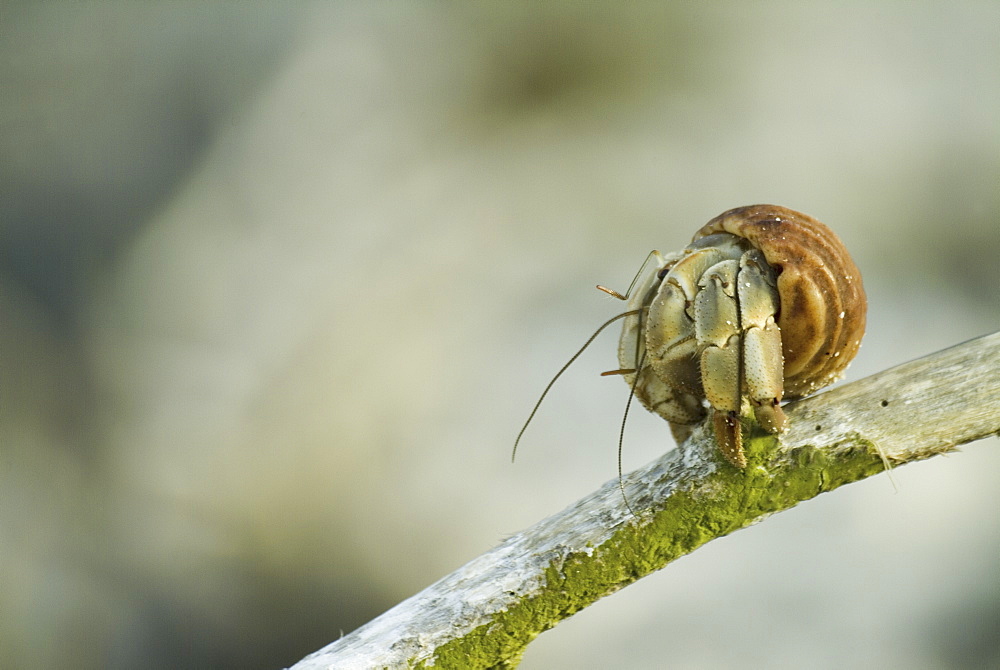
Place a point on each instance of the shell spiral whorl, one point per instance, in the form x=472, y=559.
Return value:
x=822, y=304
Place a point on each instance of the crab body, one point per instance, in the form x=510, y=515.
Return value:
x=765, y=304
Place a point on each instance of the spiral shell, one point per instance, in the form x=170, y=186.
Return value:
x=822, y=304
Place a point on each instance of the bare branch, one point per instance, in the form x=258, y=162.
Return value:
x=484, y=614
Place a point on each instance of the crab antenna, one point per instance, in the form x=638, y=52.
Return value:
x=615, y=294
x=621, y=435
x=563, y=369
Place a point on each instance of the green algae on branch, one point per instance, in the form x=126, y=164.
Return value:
x=726, y=500
x=484, y=614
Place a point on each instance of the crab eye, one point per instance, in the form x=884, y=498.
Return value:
x=662, y=273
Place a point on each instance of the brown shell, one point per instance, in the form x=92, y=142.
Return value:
x=822, y=301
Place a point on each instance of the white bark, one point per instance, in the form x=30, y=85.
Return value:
x=907, y=413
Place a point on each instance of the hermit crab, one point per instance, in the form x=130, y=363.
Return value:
x=764, y=305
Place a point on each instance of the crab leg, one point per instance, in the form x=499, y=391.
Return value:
x=763, y=365
x=717, y=329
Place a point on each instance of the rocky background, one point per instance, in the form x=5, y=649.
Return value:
x=279, y=285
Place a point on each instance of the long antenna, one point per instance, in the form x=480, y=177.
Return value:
x=615, y=294
x=621, y=434
x=563, y=369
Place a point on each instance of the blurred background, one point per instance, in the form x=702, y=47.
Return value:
x=279, y=285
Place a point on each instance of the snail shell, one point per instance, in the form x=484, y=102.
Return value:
x=822, y=304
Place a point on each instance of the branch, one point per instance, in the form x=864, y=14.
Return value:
x=484, y=614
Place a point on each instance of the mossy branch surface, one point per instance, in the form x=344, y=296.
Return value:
x=485, y=614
